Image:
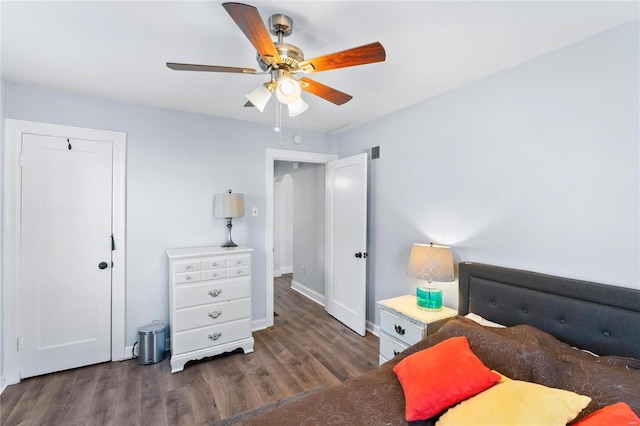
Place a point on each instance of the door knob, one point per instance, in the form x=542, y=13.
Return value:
x=359, y=254
x=102, y=265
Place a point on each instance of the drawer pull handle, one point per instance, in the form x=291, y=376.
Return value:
x=215, y=314
x=188, y=266
x=215, y=264
x=215, y=336
x=239, y=271
x=239, y=262
x=395, y=352
x=399, y=329
x=188, y=277
x=215, y=275
x=215, y=293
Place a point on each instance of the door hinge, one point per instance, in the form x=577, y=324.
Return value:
x=18, y=344
x=113, y=243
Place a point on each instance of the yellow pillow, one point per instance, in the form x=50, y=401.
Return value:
x=514, y=402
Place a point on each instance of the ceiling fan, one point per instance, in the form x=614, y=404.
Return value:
x=283, y=60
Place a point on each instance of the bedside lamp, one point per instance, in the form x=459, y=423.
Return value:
x=430, y=263
x=228, y=205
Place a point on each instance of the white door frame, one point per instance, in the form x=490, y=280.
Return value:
x=272, y=156
x=12, y=258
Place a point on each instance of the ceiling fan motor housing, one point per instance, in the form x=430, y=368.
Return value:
x=290, y=56
x=280, y=24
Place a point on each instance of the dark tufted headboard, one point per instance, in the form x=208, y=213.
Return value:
x=601, y=318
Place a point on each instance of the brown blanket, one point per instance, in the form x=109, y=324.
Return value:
x=521, y=353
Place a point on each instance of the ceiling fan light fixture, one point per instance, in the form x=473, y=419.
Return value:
x=297, y=107
x=288, y=90
x=259, y=97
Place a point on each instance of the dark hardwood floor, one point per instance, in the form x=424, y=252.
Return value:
x=305, y=349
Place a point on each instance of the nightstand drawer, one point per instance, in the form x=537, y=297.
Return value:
x=216, y=313
x=390, y=347
x=212, y=292
x=215, y=335
x=400, y=328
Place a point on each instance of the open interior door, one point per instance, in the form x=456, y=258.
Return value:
x=346, y=248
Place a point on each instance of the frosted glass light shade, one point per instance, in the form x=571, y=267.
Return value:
x=430, y=262
x=259, y=97
x=288, y=90
x=297, y=107
x=228, y=205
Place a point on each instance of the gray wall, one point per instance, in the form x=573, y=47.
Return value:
x=308, y=223
x=535, y=167
x=176, y=162
x=308, y=226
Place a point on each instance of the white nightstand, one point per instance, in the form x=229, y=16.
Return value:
x=403, y=324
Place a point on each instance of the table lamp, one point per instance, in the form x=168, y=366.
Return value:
x=228, y=205
x=430, y=262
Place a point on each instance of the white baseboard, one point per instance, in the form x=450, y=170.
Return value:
x=306, y=291
x=258, y=325
x=286, y=269
x=3, y=384
x=373, y=328
x=277, y=273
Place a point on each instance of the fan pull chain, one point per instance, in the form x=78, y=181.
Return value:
x=278, y=117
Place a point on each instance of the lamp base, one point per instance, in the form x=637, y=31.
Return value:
x=429, y=298
x=229, y=242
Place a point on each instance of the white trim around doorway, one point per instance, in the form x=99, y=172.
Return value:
x=14, y=129
x=272, y=156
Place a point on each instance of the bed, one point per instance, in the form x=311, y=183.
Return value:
x=554, y=326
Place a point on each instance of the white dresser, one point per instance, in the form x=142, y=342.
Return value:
x=403, y=324
x=209, y=302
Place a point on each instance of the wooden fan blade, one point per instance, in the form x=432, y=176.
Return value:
x=209, y=68
x=249, y=21
x=325, y=92
x=367, y=54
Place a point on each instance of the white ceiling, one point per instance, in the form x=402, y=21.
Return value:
x=118, y=49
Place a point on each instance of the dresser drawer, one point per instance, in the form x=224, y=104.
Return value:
x=187, y=266
x=214, y=274
x=188, y=277
x=211, y=292
x=200, y=338
x=238, y=261
x=400, y=328
x=214, y=262
x=390, y=347
x=215, y=313
x=238, y=271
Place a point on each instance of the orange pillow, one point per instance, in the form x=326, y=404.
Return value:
x=614, y=414
x=436, y=378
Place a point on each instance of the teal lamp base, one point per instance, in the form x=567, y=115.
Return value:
x=429, y=298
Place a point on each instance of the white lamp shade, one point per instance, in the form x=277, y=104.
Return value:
x=297, y=107
x=431, y=262
x=228, y=205
x=259, y=97
x=288, y=90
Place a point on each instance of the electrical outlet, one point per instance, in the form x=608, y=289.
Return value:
x=254, y=212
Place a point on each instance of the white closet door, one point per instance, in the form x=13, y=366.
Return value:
x=65, y=293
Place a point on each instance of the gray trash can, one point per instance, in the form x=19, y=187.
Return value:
x=152, y=343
